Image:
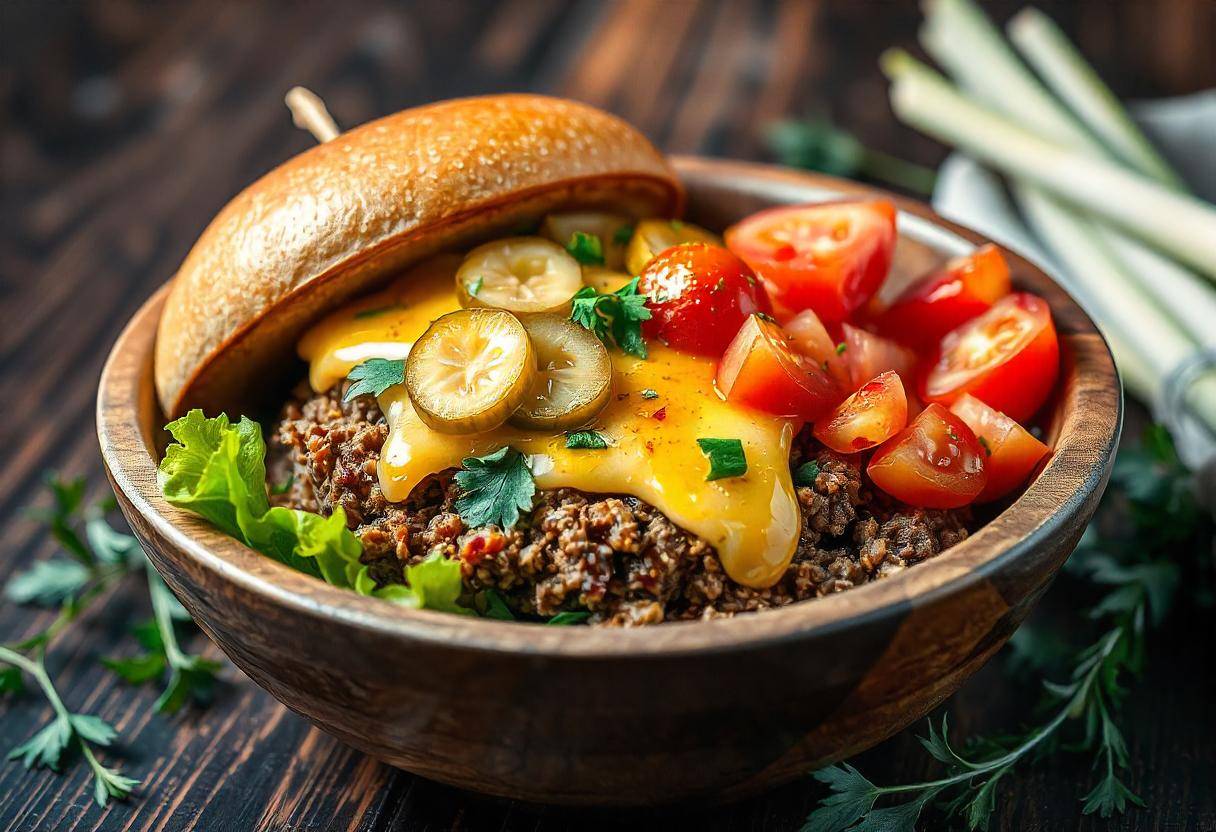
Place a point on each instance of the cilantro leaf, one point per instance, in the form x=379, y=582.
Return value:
x=374, y=376
x=48, y=583
x=806, y=473
x=496, y=488
x=68, y=496
x=110, y=784
x=647, y=393
x=726, y=458
x=566, y=619
x=623, y=235
x=618, y=313
x=11, y=680
x=590, y=440
x=112, y=547
x=475, y=286
x=137, y=669
x=852, y=797
x=587, y=249
x=45, y=748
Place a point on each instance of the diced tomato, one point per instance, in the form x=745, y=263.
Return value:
x=811, y=338
x=699, y=295
x=1010, y=452
x=935, y=462
x=869, y=417
x=868, y=354
x=944, y=300
x=830, y=257
x=1008, y=358
x=760, y=369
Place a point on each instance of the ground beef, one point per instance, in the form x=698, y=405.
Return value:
x=614, y=556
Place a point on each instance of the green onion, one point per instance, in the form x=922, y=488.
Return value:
x=1178, y=224
x=989, y=70
x=1062, y=67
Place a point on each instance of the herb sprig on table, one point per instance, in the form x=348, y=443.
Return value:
x=1130, y=556
x=98, y=557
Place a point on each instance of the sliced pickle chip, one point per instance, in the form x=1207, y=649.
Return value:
x=604, y=280
x=470, y=370
x=524, y=275
x=614, y=231
x=573, y=378
x=653, y=236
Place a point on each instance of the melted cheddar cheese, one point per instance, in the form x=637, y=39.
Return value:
x=752, y=521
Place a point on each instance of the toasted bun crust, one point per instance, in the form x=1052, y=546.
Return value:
x=346, y=215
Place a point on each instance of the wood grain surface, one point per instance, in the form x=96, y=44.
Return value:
x=127, y=125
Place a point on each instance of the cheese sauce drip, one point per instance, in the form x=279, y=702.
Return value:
x=753, y=521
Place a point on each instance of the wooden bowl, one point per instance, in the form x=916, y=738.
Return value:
x=679, y=712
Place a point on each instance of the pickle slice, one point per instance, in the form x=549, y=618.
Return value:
x=524, y=275
x=653, y=236
x=573, y=379
x=613, y=230
x=470, y=370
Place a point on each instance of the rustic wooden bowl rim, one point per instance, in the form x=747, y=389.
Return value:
x=1088, y=438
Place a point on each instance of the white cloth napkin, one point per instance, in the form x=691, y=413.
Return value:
x=1184, y=129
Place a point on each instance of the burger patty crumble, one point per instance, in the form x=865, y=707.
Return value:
x=615, y=556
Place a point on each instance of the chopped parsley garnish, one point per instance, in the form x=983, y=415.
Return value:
x=617, y=314
x=495, y=606
x=565, y=619
x=841, y=347
x=475, y=286
x=586, y=248
x=496, y=488
x=726, y=458
x=374, y=376
x=623, y=235
x=806, y=473
x=647, y=393
x=588, y=440
x=376, y=310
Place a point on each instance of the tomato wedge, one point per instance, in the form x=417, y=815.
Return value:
x=935, y=462
x=830, y=257
x=1008, y=358
x=869, y=417
x=811, y=338
x=942, y=301
x=699, y=295
x=868, y=354
x=761, y=370
x=1010, y=452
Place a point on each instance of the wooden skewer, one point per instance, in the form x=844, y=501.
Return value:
x=308, y=113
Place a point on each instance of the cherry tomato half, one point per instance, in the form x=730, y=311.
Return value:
x=760, y=369
x=810, y=337
x=869, y=417
x=699, y=295
x=1010, y=452
x=946, y=299
x=935, y=462
x=830, y=257
x=1008, y=358
x=868, y=354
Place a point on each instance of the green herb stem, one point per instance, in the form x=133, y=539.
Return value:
x=899, y=172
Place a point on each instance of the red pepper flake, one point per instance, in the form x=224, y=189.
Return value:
x=659, y=414
x=475, y=549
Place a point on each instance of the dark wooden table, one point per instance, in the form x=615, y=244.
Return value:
x=126, y=125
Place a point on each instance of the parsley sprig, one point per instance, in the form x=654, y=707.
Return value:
x=98, y=559
x=497, y=487
x=1137, y=572
x=615, y=317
